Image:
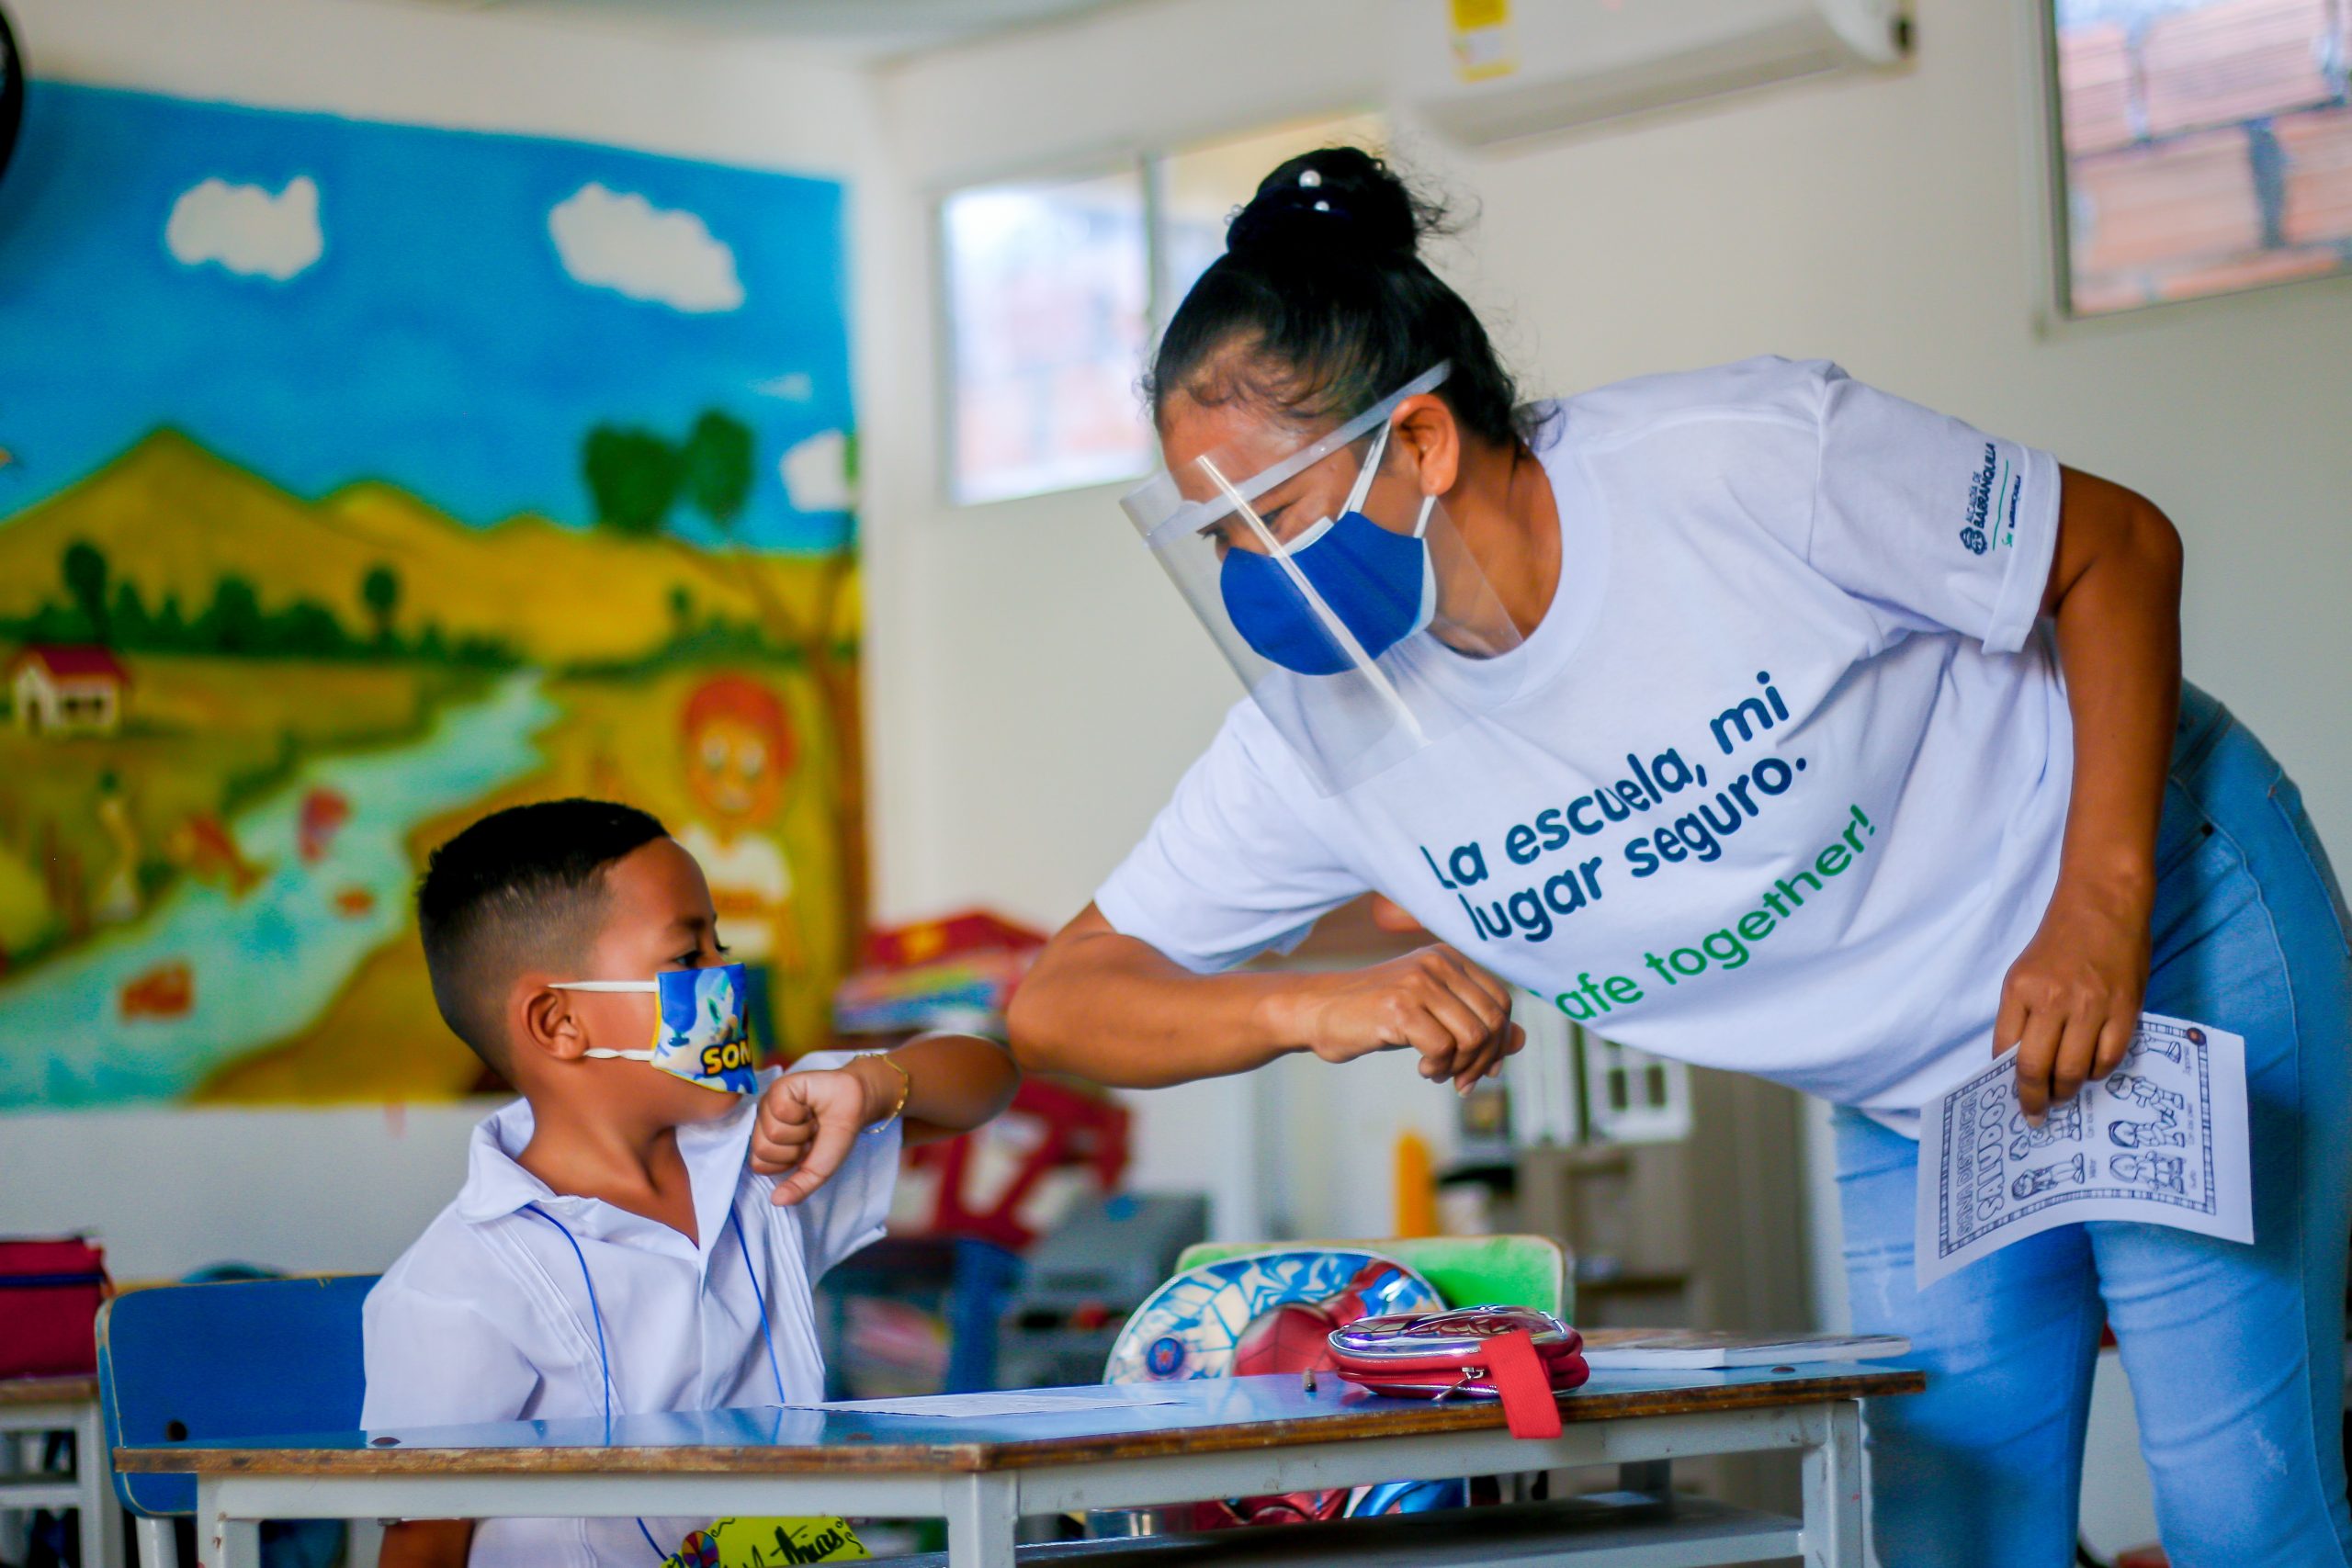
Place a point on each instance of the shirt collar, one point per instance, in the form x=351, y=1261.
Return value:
x=496, y=1185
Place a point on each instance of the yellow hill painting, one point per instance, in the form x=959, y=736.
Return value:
x=273, y=627
x=174, y=520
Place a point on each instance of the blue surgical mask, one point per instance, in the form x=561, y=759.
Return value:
x=1376, y=582
x=699, y=1029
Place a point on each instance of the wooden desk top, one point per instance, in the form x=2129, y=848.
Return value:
x=82, y=1390
x=1207, y=1416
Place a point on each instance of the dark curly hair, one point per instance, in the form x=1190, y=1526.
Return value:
x=1321, y=305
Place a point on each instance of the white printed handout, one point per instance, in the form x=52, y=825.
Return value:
x=2161, y=1140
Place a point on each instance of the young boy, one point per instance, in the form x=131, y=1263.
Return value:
x=640, y=1232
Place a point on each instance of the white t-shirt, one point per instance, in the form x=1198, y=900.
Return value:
x=486, y=1317
x=1777, y=784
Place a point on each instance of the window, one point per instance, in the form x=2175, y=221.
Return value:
x=1048, y=300
x=2205, y=146
x=1056, y=291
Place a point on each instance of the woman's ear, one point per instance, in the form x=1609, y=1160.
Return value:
x=1425, y=427
x=545, y=1023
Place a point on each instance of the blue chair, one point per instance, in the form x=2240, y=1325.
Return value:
x=248, y=1358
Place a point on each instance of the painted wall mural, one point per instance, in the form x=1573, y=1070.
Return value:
x=357, y=480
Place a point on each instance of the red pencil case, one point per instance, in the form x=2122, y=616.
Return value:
x=50, y=1292
x=1526, y=1359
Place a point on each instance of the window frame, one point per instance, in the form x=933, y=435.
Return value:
x=945, y=427
x=2051, y=216
x=1150, y=161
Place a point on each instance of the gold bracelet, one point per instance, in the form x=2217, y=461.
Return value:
x=905, y=1089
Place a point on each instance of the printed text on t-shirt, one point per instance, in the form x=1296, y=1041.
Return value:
x=1534, y=912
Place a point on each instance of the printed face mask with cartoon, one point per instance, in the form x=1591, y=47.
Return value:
x=699, y=1029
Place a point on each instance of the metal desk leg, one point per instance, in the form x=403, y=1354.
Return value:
x=224, y=1542
x=1833, y=1487
x=982, y=1511
x=159, y=1544
x=1650, y=1477
x=100, y=1514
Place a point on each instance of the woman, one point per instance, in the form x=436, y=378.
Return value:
x=1724, y=710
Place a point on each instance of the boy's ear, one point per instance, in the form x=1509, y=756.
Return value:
x=544, y=1021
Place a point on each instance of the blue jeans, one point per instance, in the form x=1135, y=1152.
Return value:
x=2235, y=1353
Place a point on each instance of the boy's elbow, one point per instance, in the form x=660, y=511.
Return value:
x=961, y=1082
x=1005, y=1080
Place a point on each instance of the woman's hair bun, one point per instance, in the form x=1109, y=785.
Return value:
x=1335, y=195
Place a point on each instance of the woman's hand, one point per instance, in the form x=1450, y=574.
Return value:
x=2071, y=1002
x=1432, y=1001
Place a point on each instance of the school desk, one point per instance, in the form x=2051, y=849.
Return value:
x=31, y=1408
x=1220, y=1437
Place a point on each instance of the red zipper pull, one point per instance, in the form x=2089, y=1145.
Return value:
x=1529, y=1406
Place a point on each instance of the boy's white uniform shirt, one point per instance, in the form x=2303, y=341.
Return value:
x=486, y=1317
x=1777, y=784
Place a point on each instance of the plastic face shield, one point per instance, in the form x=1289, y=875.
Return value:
x=1338, y=592
x=699, y=1029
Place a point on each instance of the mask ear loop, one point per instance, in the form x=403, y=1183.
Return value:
x=651, y=1052
x=1336, y=628
x=1371, y=467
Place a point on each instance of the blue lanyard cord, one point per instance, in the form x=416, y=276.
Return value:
x=604, y=1360
x=759, y=1297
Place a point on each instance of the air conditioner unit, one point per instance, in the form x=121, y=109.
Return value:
x=1484, y=70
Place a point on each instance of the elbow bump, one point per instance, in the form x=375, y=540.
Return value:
x=1026, y=1029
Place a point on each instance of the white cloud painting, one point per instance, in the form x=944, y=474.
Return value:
x=617, y=240
x=248, y=229
x=816, y=473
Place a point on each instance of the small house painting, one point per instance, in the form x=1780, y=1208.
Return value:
x=60, y=690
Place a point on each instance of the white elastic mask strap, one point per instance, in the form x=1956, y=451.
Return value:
x=1371, y=467
x=1335, y=628
x=1428, y=505
x=1194, y=516
x=600, y=1053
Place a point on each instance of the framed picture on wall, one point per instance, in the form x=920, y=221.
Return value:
x=2200, y=147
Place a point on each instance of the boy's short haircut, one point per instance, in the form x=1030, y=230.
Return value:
x=521, y=888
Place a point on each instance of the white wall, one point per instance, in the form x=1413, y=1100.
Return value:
x=346, y=1190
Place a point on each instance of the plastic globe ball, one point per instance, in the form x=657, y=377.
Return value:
x=1287, y=1339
